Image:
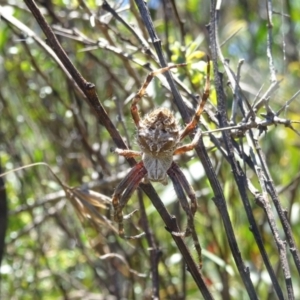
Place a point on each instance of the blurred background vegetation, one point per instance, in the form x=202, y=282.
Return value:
x=54, y=253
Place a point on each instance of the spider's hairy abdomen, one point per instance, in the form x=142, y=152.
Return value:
x=157, y=167
x=158, y=137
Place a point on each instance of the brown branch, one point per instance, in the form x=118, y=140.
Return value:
x=155, y=252
x=145, y=14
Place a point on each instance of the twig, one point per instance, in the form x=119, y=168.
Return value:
x=179, y=21
x=145, y=14
x=143, y=42
x=270, y=42
x=155, y=252
x=173, y=227
x=287, y=103
x=123, y=260
x=23, y=28
x=236, y=98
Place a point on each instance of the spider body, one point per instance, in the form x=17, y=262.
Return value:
x=159, y=137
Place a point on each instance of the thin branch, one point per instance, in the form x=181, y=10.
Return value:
x=145, y=14
x=270, y=42
x=288, y=103
x=155, y=252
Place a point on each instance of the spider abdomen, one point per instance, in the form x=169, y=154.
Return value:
x=157, y=167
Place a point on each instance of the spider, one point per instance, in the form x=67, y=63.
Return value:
x=159, y=137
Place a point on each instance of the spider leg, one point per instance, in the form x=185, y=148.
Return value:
x=123, y=192
x=187, y=187
x=127, y=152
x=188, y=147
x=142, y=91
x=190, y=126
x=180, y=184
